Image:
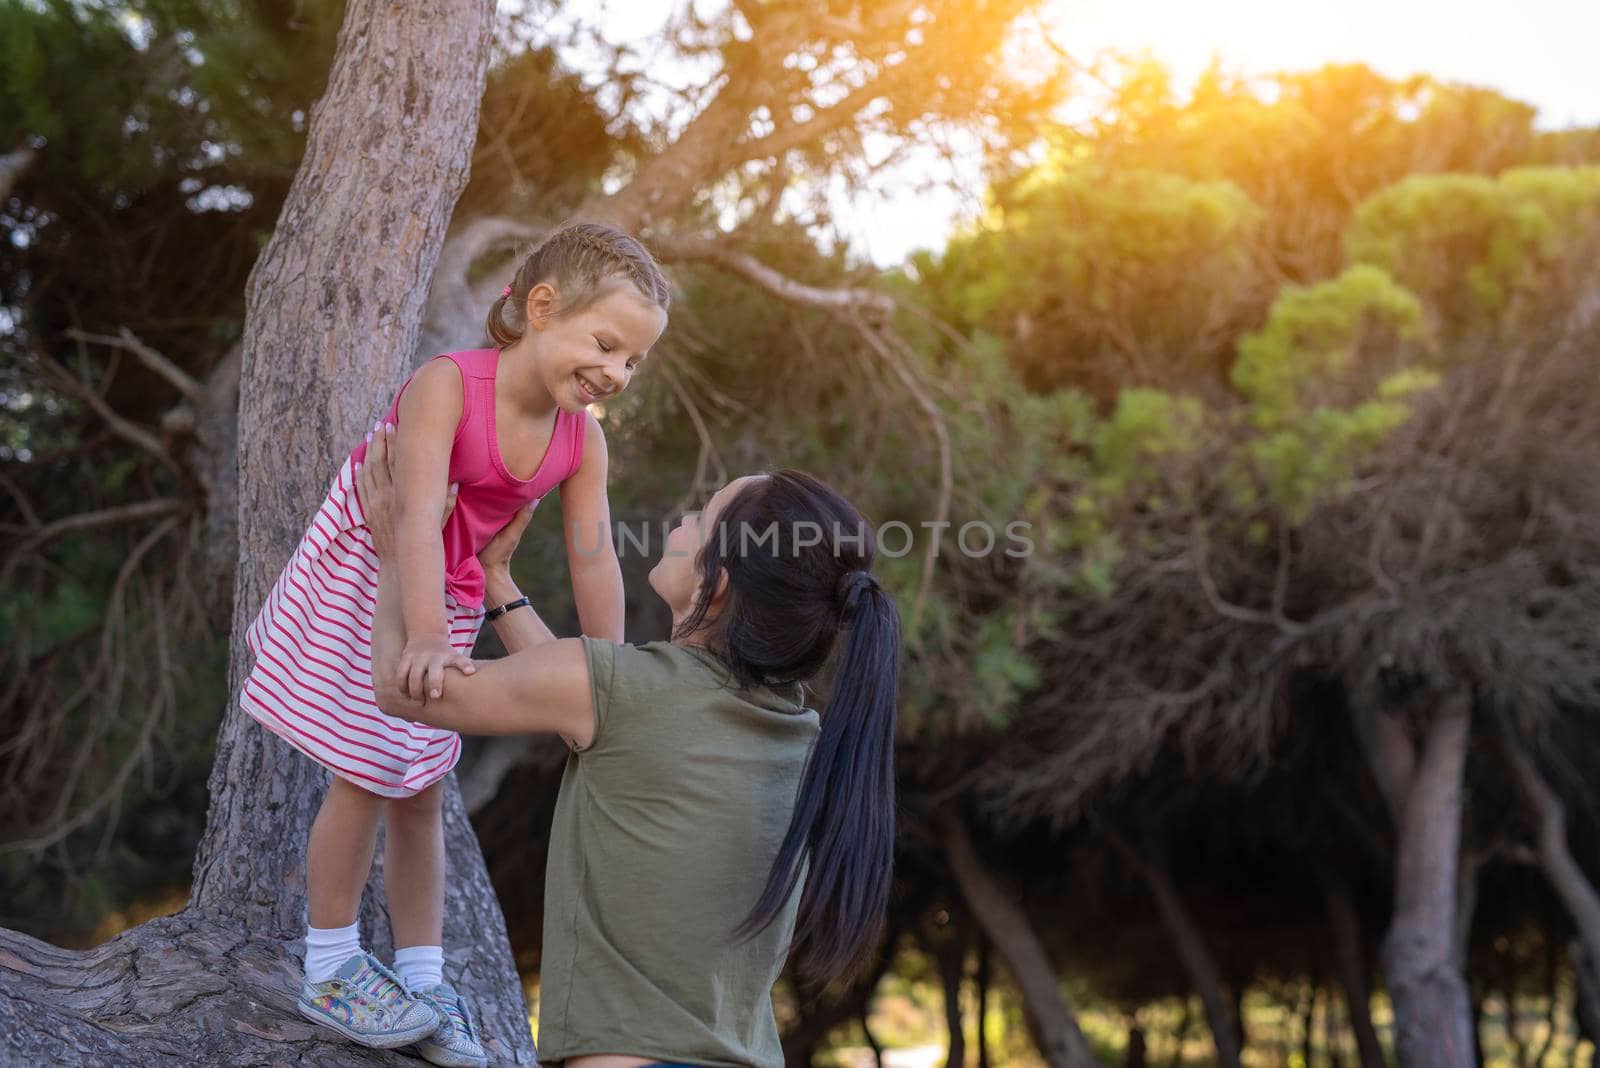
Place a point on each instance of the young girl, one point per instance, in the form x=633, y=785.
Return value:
x=488, y=431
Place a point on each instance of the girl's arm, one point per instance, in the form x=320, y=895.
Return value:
x=543, y=687
x=591, y=552
x=431, y=411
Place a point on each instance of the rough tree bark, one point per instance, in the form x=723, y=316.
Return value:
x=1054, y=1027
x=1421, y=779
x=334, y=308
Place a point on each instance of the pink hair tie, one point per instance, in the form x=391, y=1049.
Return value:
x=506, y=292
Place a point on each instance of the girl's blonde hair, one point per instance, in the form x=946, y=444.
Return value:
x=578, y=260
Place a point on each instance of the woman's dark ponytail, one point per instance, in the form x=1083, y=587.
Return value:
x=785, y=612
x=843, y=819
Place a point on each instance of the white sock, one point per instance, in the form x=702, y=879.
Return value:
x=420, y=966
x=329, y=947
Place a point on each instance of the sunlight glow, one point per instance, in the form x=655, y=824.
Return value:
x=1537, y=51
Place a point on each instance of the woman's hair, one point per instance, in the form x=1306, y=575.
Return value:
x=578, y=260
x=797, y=557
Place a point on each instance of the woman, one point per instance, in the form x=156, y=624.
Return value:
x=707, y=819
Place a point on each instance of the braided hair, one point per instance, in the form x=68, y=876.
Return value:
x=578, y=260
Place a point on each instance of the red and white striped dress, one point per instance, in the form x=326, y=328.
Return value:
x=311, y=683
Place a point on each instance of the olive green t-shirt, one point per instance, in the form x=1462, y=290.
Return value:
x=664, y=832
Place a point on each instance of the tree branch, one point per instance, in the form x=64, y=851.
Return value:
x=122, y=513
x=123, y=428
x=127, y=341
x=13, y=165
x=702, y=250
x=895, y=354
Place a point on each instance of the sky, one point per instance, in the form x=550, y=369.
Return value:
x=1538, y=51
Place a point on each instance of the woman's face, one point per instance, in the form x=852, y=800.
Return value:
x=591, y=355
x=675, y=578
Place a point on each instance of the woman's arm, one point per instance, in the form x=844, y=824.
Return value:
x=591, y=552
x=519, y=628
x=544, y=687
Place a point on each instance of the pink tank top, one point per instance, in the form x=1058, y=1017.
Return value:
x=490, y=494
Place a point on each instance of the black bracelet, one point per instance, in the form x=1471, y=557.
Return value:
x=495, y=613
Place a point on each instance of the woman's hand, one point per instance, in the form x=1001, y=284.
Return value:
x=375, y=486
x=496, y=556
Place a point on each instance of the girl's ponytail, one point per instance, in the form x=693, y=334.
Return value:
x=842, y=832
x=496, y=327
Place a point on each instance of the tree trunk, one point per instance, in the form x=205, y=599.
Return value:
x=1332, y=1033
x=1184, y=1022
x=982, y=982
x=1138, y=1055
x=1308, y=1025
x=1586, y=1004
x=214, y=457
x=1475, y=1002
x=1552, y=1014
x=1561, y=869
x=1055, y=1029
x=865, y=1019
x=334, y=307
x=1193, y=952
x=951, y=954
x=1351, y=967
x=818, y=1017
x=1433, y=1013
x=1471, y=862
x=1512, y=1016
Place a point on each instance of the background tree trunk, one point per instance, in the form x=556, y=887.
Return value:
x=829, y=1008
x=1221, y=1012
x=1352, y=971
x=981, y=980
x=950, y=953
x=335, y=305
x=1055, y=1029
x=1433, y=1014
x=1561, y=869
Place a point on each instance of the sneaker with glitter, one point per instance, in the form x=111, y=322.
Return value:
x=367, y=1003
x=456, y=1044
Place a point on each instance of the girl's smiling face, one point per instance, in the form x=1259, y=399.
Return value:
x=591, y=355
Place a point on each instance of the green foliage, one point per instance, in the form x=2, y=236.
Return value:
x=1137, y=463
x=1482, y=252
x=1001, y=672
x=1311, y=344
x=1146, y=427
x=1325, y=381
x=1307, y=147
x=1092, y=274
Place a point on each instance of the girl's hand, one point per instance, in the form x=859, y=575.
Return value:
x=420, y=673
x=496, y=556
x=375, y=487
